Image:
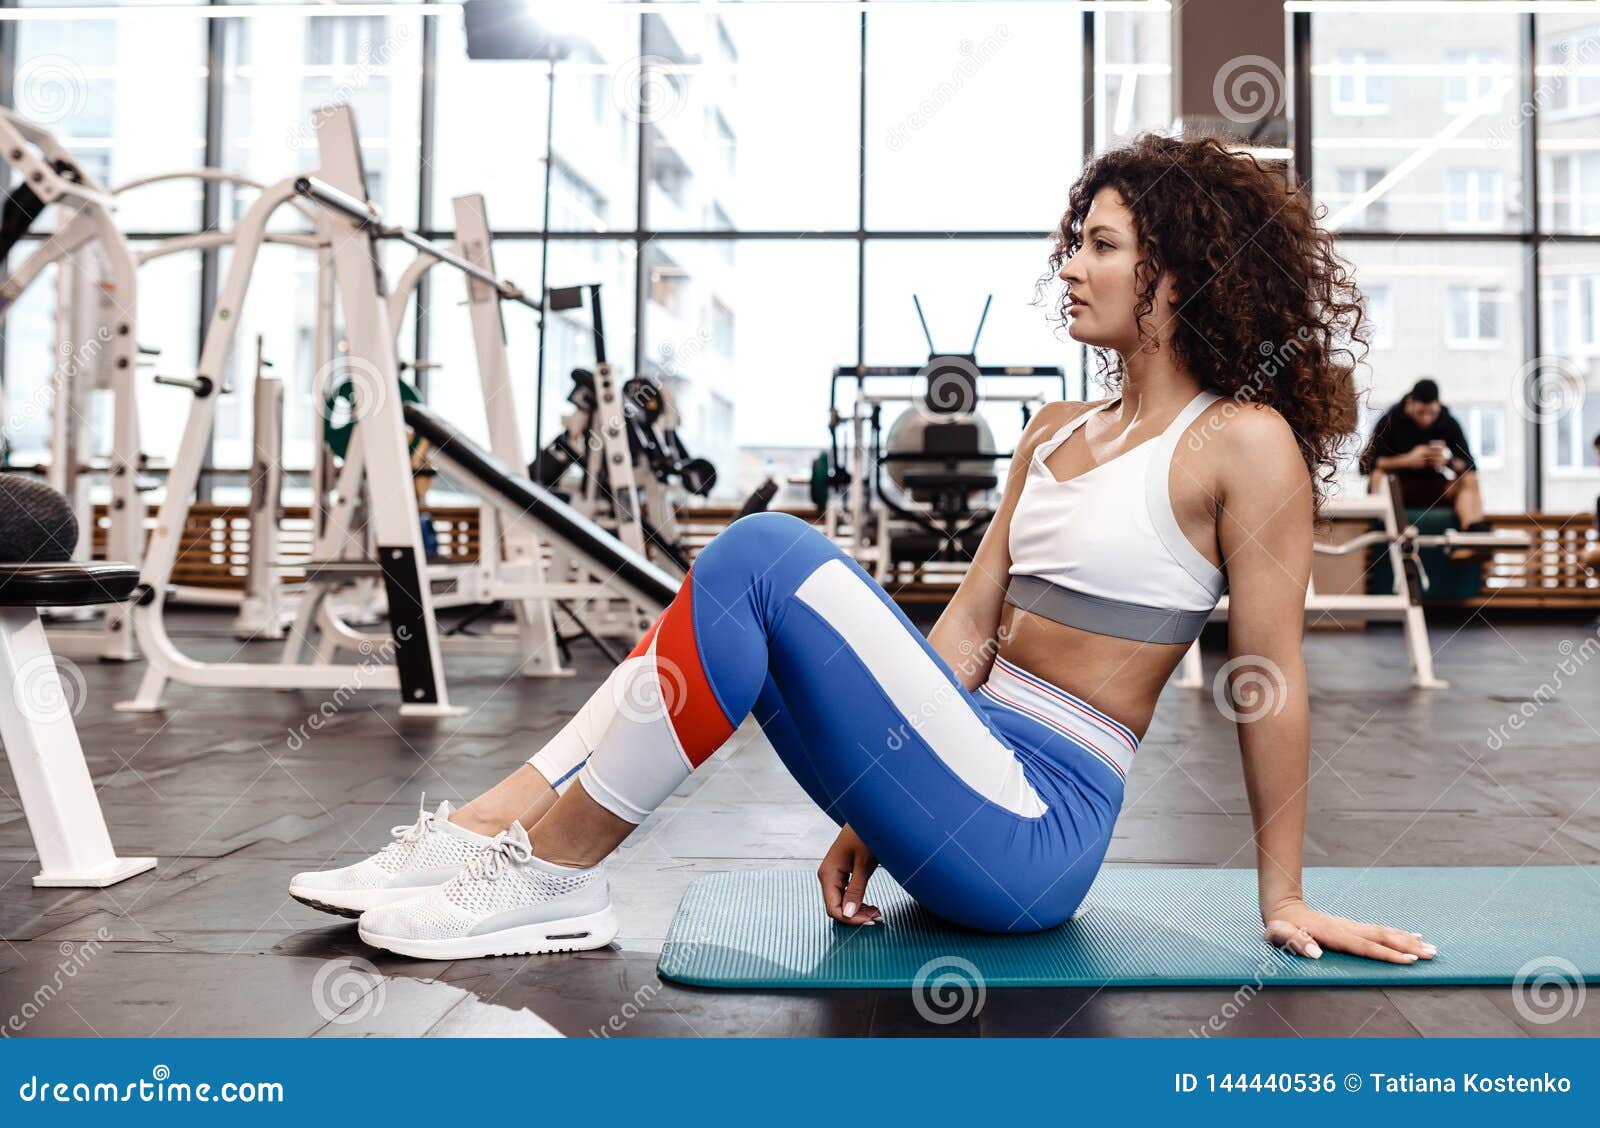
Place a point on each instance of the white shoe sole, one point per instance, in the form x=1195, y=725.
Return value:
x=352, y=902
x=572, y=934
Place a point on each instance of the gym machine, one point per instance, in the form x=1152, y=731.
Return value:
x=621, y=443
x=921, y=490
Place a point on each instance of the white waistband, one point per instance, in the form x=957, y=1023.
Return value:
x=1072, y=716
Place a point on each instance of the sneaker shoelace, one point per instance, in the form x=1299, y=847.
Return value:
x=507, y=849
x=409, y=834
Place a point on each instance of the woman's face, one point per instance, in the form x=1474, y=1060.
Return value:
x=1101, y=283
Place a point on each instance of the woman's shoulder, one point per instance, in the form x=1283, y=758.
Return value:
x=1049, y=419
x=1253, y=440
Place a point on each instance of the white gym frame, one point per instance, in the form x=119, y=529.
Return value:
x=370, y=527
x=53, y=782
x=1401, y=542
x=96, y=349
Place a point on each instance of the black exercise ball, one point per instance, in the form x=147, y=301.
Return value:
x=36, y=523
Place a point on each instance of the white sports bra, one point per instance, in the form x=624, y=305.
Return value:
x=1103, y=552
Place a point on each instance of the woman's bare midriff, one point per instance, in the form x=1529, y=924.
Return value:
x=1120, y=677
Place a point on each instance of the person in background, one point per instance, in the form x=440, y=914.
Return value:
x=1418, y=440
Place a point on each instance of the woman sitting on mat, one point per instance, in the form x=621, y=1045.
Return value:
x=985, y=766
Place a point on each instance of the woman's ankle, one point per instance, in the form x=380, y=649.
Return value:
x=524, y=796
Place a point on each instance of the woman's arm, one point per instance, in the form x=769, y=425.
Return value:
x=967, y=633
x=1264, y=529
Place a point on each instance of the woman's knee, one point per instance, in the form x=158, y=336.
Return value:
x=759, y=538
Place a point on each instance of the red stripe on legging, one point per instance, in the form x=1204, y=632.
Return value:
x=686, y=694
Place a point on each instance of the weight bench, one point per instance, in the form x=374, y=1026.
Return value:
x=36, y=727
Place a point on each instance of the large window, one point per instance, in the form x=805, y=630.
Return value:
x=1419, y=152
x=760, y=189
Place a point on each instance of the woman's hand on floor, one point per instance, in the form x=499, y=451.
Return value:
x=1295, y=926
x=844, y=872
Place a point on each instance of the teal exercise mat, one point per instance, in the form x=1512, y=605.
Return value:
x=1145, y=927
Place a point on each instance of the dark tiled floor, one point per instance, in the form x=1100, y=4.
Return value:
x=216, y=787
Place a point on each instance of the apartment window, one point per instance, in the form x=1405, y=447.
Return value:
x=1475, y=199
x=1356, y=89
x=1576, y=86
x=1354, y=182
x=1575, y=432
x=1572, y=197
x=1474, y=316
x=344, y=40
x=1485, y=428
x=1472, y=77
x=669, y=286
x=721, y=328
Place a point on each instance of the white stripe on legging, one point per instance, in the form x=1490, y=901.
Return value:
x=933, y=707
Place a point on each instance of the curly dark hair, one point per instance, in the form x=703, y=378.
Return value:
x=1268, y=312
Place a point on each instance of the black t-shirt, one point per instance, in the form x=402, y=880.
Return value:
x=1396, y=433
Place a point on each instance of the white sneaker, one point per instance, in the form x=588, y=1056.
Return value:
x=424, y=855
x=505, y=902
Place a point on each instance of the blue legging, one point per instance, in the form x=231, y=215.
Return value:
x=993, y=809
